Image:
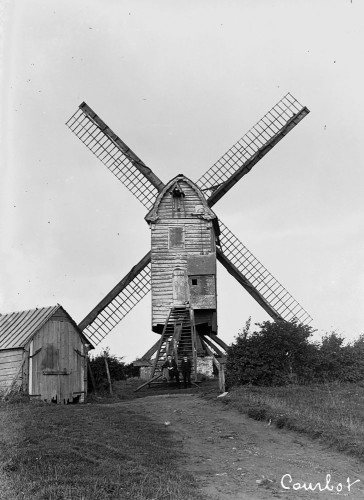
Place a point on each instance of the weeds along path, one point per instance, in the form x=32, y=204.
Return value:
x=237, y=458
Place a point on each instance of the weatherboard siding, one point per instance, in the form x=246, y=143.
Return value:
x=168, y=253
x=58, y=367
x=10, y=364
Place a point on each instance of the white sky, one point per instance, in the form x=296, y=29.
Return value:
x=180, y=82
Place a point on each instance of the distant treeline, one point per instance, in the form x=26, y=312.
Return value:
x=281, y=353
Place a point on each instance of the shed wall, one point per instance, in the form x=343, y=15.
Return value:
x=57, y=366
x=10, y=364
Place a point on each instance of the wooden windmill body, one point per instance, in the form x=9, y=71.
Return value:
x=186, y=240
x=183, y=256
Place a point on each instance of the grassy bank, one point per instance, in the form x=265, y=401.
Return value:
x=87, y=452
x=333, y=413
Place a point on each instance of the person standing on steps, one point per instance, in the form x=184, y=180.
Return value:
x=172, y=368
x=186, y=368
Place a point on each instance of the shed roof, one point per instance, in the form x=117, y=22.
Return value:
x=17, y=328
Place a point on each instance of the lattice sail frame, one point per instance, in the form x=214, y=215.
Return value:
x=114, y=154
x=119, y=307
x=267, y=128
x=279, y=299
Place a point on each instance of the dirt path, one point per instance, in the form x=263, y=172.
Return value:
x=236, y=458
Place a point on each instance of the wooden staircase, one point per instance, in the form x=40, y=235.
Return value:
x=178, y=339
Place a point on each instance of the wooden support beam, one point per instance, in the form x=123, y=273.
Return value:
x=234, y=271
x=194, y=341
x=219, y=365
x=135, y=160
x=222, y=377
x=149, y=353
x=210, y=353
x=210, y=344
x=142, y=362
x=160, y=342
x=148, y=382
x=91, y=374
x=199, y=346
x=219, y=341
x=108, y=372
x=115, y=291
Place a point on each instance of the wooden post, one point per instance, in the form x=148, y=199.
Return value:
x=176, y=339
x=194, y=342
x=108, y=372
x=88, y=371
x=92, y=378
x=222, y=377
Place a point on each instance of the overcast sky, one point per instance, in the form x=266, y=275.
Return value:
x=180, y=82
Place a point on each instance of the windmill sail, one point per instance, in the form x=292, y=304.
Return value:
x=118, y=302
x=115, y=154
x=280, y=302
x=145, y=186
x=260, y=139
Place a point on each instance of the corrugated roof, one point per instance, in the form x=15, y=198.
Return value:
x=18, y=327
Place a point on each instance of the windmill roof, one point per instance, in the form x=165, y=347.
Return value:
x=207, y=213
x=17, y=328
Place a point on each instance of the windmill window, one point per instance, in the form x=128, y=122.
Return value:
x=194, y=281
x=176, y=237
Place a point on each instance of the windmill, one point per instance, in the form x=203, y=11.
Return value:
x=186, y=240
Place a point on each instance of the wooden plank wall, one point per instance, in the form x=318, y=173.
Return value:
x=10, y=363
x=58, y=363
x=199, y=239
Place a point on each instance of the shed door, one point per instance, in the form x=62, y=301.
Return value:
x=58, y=367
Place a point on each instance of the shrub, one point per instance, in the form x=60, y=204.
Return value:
x=282, y=353
x=278, y=354
x=339, y=362
x=118, y=369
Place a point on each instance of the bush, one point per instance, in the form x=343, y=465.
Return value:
x=282, y=353
x=278, y=354
x=339, y=362
x=118, y=369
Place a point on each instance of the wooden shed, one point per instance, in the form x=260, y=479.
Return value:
x=44, y=353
